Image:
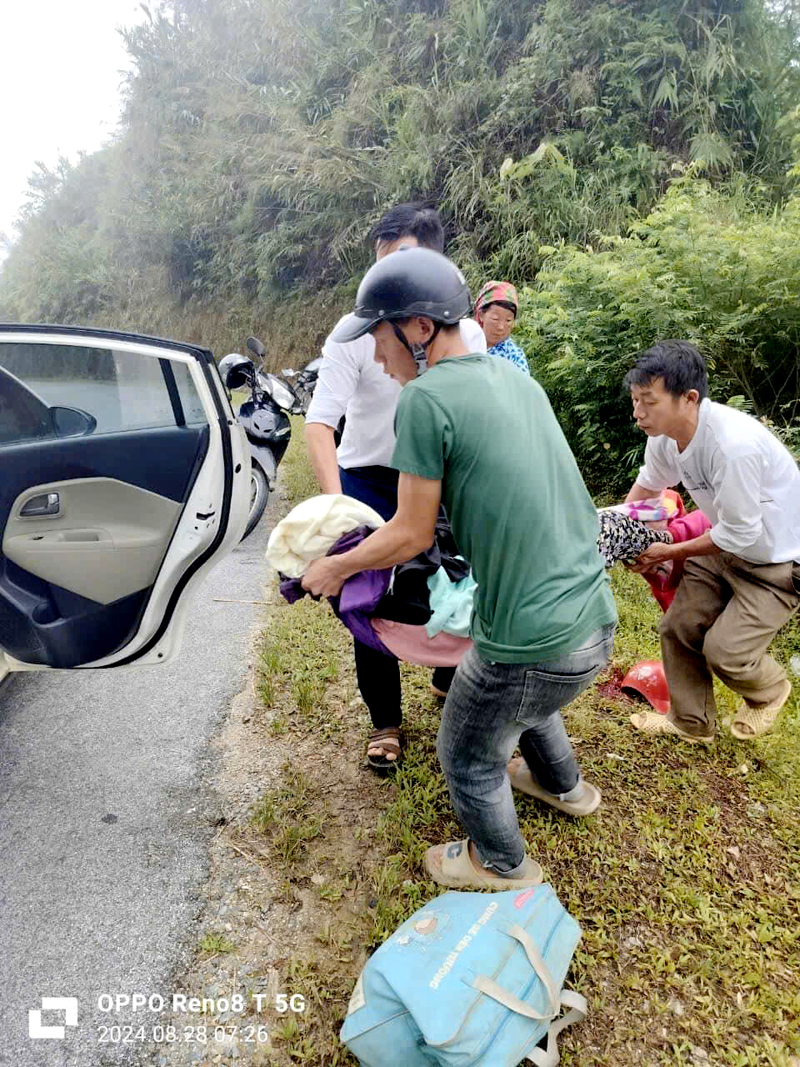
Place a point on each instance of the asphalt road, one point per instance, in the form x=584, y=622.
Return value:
x=106, y=810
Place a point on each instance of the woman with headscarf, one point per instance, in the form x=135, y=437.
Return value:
x=495, y=311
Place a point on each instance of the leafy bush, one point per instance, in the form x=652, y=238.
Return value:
x=715, y=268
x=262, y=138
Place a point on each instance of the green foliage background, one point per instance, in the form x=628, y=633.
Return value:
x=628, y=161
x=712, y=267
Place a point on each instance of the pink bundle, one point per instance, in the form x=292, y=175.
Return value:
x=662, y=508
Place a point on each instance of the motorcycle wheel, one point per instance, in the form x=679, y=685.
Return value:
x=259, y=495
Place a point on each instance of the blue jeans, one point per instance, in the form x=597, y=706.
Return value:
x=492, y=707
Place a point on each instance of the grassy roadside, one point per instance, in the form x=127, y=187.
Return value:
x=686, y=882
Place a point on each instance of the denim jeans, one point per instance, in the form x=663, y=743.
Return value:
x=492, y=707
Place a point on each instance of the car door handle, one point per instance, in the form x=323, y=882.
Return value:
x=43, y=504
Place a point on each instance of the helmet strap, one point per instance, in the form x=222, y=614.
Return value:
x=418, y=352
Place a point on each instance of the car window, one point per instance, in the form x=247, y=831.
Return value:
x=23, y=415
x=190, y=402
x=123, y=391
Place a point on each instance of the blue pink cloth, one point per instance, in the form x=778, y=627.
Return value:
x=511, y=351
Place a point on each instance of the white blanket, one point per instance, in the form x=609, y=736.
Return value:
x=309, y=530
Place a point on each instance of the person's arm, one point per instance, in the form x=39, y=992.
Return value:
x=410, y=531
x=337, y=382
x=639, y=492
x=659, y=551
x=321, y=449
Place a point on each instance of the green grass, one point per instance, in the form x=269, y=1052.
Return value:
x=297, y=478
x=291, y=815
x=686, y=882
x=214, y=943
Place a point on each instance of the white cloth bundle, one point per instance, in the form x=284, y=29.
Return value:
x=309, y=530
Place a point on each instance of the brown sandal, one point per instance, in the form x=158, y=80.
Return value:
x=390, y=739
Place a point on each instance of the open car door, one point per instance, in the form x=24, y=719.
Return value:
x=123, y=479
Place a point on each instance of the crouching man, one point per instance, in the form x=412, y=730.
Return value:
x=741, y=579
x=473, y=432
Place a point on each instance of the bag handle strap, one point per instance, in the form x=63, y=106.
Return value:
x=509, y=1000
x=491, y=988
x=549, y=1055
x=536, y=961
x=574, y=1002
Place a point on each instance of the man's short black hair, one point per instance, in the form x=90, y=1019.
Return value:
x=680, y=365
x=411, y=220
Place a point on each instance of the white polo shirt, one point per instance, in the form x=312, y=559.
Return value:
x=351, y=383
x=740, y=476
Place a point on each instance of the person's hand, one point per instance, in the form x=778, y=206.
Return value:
x=322, y=578
x=658, y=552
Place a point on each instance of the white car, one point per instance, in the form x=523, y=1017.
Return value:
x=124, y=478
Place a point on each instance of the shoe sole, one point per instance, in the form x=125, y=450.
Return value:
x=662, y=731
x=565, y=806
x=468, y=878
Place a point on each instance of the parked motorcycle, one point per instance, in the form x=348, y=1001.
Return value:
x=265, y=416
x=304, y=381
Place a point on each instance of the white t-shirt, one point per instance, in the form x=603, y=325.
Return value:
x=740, y=476
x=351, y=383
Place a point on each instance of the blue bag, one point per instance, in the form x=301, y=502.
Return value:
x=471, y=978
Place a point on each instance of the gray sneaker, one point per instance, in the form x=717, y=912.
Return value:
x=583, y=799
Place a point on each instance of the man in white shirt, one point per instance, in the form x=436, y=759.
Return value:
x=352, y=384
x=741, y=581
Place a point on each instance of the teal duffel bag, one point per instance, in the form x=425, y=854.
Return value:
x=470, y=979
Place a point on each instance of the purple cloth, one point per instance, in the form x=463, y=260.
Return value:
x=360, y=593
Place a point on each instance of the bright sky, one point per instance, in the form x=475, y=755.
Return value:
x=60, y=66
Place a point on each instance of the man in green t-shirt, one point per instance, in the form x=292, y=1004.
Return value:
x=475, y=435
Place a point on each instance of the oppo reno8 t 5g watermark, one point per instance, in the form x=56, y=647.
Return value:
x=148, y=1025
x=141, y=1017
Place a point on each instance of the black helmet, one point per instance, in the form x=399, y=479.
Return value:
x=411, y=281
x=236, y=371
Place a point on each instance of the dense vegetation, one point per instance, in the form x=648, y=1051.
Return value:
x=261, y=139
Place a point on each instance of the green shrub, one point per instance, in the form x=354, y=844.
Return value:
x=713, y=267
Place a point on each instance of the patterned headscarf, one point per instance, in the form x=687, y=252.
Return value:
x=491, y=293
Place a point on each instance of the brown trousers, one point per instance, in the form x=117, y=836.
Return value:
x=725, y=613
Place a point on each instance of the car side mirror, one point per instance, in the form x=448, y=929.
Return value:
x=72, y=422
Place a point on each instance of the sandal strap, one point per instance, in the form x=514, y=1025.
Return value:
x=387, y=733
x=390, y=739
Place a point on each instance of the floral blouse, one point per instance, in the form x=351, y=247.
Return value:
x=511, y=351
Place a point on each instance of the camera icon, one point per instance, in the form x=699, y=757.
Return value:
x=69, y=1005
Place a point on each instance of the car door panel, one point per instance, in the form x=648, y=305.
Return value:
x=35, y=623
x=44, y=625
x=101, y=534
x=106, y=541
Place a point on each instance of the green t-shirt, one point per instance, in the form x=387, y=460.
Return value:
x=520, y=512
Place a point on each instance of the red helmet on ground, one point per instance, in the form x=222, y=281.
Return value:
x=648, y=678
